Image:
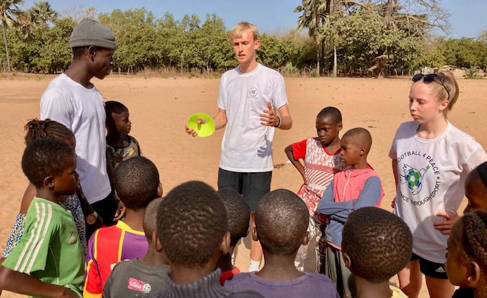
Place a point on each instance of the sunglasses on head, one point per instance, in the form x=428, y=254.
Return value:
x=428, y=78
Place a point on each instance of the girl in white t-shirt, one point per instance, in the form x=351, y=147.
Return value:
x=431, y=159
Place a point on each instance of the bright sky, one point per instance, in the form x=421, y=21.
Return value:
x=467, y=16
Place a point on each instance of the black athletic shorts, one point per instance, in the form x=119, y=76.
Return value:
x=252, y=186
x=429, y=268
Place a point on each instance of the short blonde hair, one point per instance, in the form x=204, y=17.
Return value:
x=238, y=30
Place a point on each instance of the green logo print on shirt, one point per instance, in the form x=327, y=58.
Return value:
x=419, y=177
x=414, y=178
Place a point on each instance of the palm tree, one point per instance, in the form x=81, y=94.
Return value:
x=41, y=14
x=313, y=14
x=9, y=15
x=315, y=17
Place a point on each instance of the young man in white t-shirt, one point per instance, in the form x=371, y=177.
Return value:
x=73, y=100
x=252, y=102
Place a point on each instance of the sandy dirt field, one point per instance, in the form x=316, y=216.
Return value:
x=159, y=108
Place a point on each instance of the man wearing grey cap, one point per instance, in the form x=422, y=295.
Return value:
x=74, y=101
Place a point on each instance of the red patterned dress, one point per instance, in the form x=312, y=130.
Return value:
x=320, y=167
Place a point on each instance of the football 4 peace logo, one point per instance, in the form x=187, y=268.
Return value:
x=419, y=177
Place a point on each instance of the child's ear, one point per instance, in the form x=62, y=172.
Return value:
x=473, y=277
x=156, y=242
x=117, y=197
x=306, y=239
x=49, y=182
x=225, y=245
x=347, y=260
x=159, y=190
x=339, y=126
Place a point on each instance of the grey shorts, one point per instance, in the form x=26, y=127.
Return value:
x=252, y=186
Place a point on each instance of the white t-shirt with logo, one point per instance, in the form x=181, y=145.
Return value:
x=247, y=144
x=432, y=175
x=82, y=111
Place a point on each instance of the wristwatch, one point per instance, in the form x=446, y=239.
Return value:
x=91, y=218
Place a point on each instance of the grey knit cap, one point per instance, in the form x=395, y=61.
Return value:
x=91, y=33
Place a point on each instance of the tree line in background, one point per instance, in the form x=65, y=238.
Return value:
x=345, y=37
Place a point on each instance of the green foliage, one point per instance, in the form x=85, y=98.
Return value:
x=465, y=52
x=472, y=73
x=45, y=51
x=359, y=33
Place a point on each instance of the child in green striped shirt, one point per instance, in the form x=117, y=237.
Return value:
x=48, y=260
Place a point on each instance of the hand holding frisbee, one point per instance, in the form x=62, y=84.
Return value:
x=201, y=125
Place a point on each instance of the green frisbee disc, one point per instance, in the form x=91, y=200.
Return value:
x=203, y=130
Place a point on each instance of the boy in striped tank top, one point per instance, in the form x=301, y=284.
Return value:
x=48, y=259
x=321, y=160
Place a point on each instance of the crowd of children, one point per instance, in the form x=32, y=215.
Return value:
x=183, y=244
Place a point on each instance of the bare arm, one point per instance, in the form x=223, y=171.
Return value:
x=396, y=180
x=286, y=120
x=296, y=163
x=27, y=285
x=220, y=119
x=29, y=194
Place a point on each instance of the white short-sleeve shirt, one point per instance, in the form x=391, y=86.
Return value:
x=432, y=175
x=247, y=144
x=82, y=111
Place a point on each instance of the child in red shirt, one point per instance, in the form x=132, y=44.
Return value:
x=321, y=160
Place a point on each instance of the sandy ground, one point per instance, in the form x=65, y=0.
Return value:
x=159, y=108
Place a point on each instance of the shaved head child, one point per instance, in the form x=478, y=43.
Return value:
x=238, y=217
x=321, y=160
x=476, y=188
x=356, y=187
x=120, y=145
x=145, y=276
x=376, y=245
x=192, y=230
x=136, y=185
x=281, y=222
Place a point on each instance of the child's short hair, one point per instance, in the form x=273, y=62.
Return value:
x=46, y=157
x=238, y=30
x=150, y=218
x=113, y=106
x=332, y=113
x=136, y=181
x=281, y=219
x=361, y=136
x=473, y=236
x=238, y=214
x=378, y=243
x=37, y=129
x=191, y=223
x=482, y=172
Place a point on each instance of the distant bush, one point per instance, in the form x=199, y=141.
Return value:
x=472, y=73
